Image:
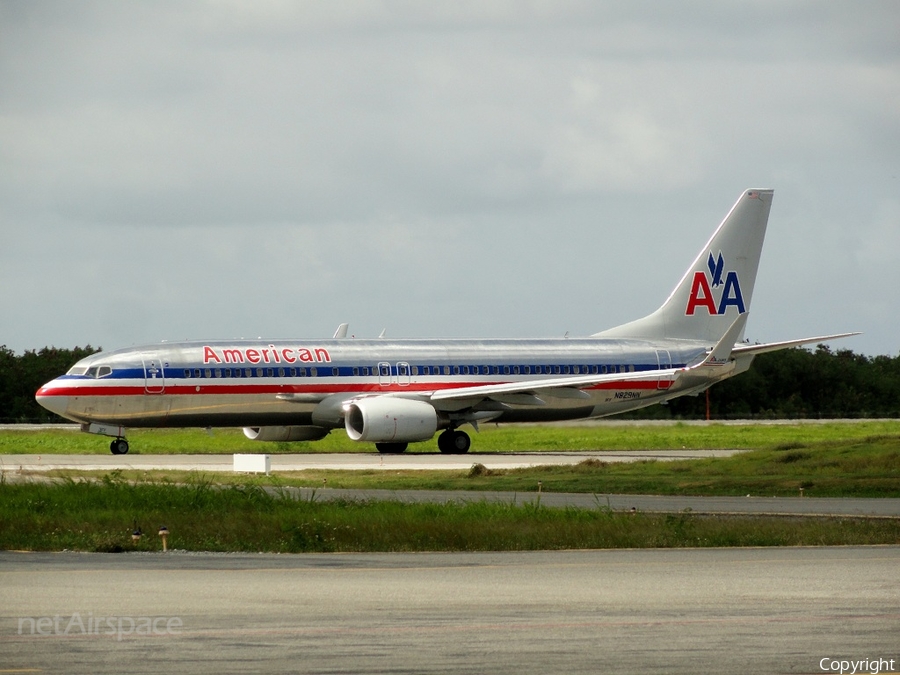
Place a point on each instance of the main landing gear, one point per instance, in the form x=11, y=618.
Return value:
x=454, y=442
x=118, y=446
x=450, y=442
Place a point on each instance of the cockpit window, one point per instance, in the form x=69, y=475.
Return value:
x=98, y=371
x=77, y=370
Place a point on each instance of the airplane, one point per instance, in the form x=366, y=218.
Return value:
x=395, y=392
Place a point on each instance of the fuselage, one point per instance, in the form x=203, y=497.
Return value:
x=285, y=382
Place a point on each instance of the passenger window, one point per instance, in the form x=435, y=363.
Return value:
x=218, y=372
x=313, y=372
x=196, y=372
x=207, y=372
x=187, y=372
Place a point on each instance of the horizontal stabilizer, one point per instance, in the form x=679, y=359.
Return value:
x=743, y=350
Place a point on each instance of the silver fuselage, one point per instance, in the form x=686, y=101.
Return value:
x=299, y=382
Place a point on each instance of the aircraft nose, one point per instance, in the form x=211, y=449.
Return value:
x=52, y=401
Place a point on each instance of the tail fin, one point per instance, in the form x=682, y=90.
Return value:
x=718, y=285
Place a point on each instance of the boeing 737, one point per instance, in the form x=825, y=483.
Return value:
x=396, y=392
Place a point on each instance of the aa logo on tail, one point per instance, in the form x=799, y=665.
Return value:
x=704, y=297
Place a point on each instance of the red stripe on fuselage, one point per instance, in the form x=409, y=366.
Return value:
x=271, y=388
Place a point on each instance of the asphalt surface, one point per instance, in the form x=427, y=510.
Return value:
x=639, y=611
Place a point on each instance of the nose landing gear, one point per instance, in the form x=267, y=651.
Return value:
x=118, y=446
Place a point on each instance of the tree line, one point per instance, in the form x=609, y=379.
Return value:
x=21, y=376
x=793, y=383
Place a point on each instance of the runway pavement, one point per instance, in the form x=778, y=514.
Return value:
x=786, y=610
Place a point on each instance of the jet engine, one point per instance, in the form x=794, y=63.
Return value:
x=304, y=433
x=387, y=419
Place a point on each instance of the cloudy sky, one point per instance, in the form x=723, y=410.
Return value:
x=503, y=169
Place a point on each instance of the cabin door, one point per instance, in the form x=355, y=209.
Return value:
x=154, y=374
x=664, y=362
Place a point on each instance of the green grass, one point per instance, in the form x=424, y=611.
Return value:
x=92, y=516
x=492, y=438
x=868, y=467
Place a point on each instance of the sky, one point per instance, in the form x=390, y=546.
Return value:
x=200, y=170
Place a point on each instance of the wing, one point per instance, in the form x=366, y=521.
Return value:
x=526, y=392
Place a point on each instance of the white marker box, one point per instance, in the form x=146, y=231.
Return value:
x=252, y=464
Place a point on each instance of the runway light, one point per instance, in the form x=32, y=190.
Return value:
x=164, y=533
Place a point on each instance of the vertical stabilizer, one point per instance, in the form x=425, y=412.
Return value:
x=718, y=285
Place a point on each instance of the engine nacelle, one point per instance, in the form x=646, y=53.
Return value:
x=304, y=433
x=386, y=419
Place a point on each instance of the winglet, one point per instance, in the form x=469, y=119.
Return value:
x=721, y=353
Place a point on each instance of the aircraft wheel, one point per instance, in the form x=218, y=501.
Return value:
x=119, y=446
x=454, y=442
x=391, y=448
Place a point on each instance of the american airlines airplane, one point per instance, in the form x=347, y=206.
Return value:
x=396, y=392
